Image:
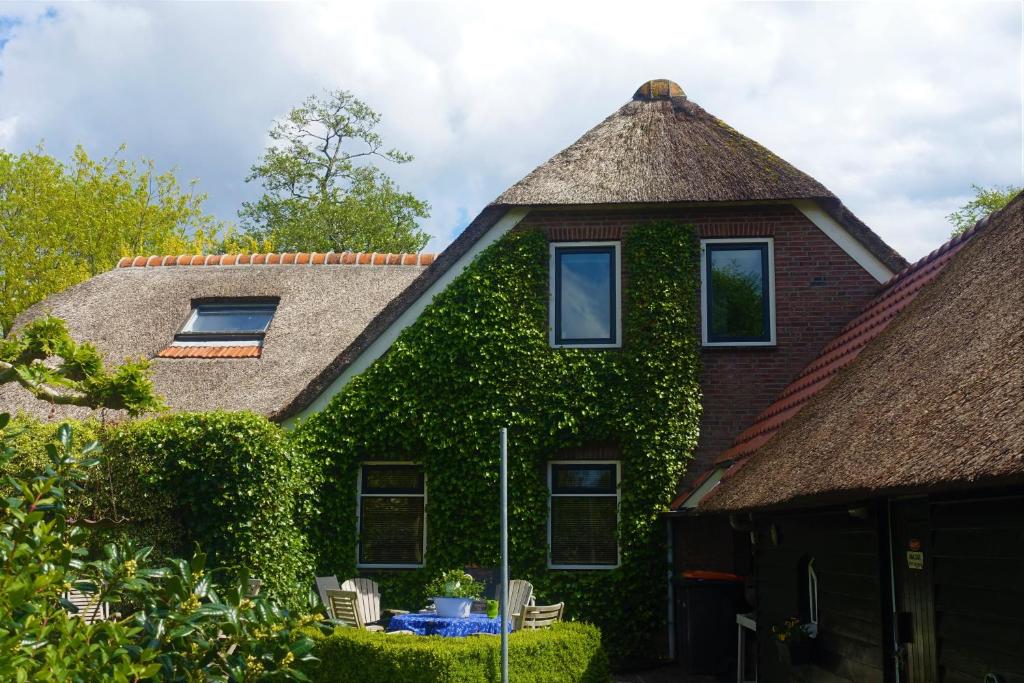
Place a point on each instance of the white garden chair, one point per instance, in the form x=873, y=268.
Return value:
x=90, y=610
x=539, y=616
x=343, y=607
x=368, y=601
x=520, y=594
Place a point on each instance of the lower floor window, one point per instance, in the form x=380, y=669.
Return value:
x=392, y=515
x=583, y=519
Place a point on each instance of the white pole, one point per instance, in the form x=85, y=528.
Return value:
x=504, y=554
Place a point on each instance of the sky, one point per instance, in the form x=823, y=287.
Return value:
x=896, y=107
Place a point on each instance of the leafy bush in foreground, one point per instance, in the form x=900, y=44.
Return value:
x=177, y=625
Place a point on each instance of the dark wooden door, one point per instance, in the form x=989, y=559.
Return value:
x=914, y=592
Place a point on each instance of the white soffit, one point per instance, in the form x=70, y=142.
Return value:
x=847, y=242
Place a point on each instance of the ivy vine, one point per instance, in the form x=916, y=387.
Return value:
x=478, y=359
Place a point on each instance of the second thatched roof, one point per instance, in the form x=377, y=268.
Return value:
x=935, y=401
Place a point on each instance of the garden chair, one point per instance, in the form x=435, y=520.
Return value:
x=90, y=610
x=520, y=594
x=324, y=584
x=539, y=616
x=369, y=600
x=343, y=607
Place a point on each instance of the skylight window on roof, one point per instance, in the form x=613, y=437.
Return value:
x=220, y=319
x=241, y=323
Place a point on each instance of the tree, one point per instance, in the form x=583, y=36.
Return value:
x=322, y=191
x=61, y=223
x=44, y=359
x=986, y=200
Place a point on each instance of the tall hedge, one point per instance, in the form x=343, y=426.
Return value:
x=229, y=482
x=234, y=483
x=477, y=359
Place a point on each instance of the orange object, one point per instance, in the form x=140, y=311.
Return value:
x=706, y=575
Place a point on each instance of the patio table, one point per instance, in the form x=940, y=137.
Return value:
x=429, y=624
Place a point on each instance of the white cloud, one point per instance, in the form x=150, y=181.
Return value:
x=896, y=107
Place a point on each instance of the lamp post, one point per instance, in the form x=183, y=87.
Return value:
x=503, y=438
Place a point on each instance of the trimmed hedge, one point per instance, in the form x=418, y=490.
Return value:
x=569, y=652
x=230, y=482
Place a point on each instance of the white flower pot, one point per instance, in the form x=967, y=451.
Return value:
x=453, y=607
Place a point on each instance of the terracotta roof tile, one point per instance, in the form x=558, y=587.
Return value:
x=249, y=351
x=287, y=259
x=896, y=295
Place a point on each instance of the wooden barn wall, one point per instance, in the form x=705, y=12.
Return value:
x=846, y=553
x=978, y=570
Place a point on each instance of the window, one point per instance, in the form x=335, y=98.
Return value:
x=738, y=305
x=238, y=322
x=812, y=593
x=583, y=516
x=807, y=583
x=585, y=296
x=392, y=529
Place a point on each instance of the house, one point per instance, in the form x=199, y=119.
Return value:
x=578, y=308
x=884, y=489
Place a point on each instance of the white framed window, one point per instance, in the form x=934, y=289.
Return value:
x=235, y=322
x=812, y=596
x=583, y=514
x=391, y=515
x=737, y=278
x=586, y=295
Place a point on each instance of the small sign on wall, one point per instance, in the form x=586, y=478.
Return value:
x=915, y=559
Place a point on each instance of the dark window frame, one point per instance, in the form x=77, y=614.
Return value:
x=227, y=304
x=764, y=246
x=616, y=494
x=420, y=492
x=559, y=250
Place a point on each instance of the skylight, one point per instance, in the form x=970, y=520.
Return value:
x=226, y=322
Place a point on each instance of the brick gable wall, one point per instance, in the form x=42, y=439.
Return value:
x=818, y=289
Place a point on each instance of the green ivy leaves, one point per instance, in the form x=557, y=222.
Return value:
x=478, y=359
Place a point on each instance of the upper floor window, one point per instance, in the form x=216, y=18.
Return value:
x=738, y=298
x=585, y=294
x=392, y=515
x=235, y=321
x=584, y=514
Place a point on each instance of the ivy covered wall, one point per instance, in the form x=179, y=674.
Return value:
x=477, y=359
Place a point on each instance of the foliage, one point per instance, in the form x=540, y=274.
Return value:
x=477, y=359
x=231, y=480
x=567, y=652
x=790, y=631
x=180, y=627
x=46, y=361
x=738, y=303
x=986, y=200
x=455, y=583
x=321, y=190
x=63, y=222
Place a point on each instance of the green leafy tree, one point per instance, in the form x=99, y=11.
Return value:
x=322, y=190
x=986, y=200
x=63, y=222
x=46, y=361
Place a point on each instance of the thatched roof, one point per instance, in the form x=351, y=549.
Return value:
x=326, y=302
x=663, y=147
x=935, y=401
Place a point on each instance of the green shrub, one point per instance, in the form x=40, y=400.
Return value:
x=176, y=624
x=566, y=653
x=231, y=481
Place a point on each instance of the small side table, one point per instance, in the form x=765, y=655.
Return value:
x=744, y=623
